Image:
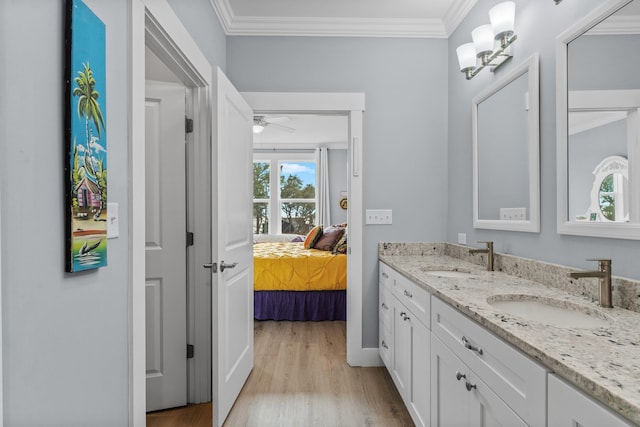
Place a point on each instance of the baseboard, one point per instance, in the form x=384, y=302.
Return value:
x=365, y=357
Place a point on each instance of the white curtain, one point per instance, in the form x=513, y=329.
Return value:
x=322, y=168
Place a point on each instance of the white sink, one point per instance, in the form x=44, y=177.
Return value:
x=454, y=273
x=549, y=311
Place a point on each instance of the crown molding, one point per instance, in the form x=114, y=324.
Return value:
x=456, y=14
x=340, y=27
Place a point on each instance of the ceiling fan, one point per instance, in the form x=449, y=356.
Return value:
x=261, y=122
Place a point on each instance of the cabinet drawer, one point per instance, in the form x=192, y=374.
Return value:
x=385, y=276
x=519, y=380
x=413, y=297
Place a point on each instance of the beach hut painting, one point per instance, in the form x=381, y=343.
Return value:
x=85, y=140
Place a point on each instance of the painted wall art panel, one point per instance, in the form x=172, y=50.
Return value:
x=85, y=139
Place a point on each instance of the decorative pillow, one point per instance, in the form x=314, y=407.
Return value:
x=329, y=238
x=298, y=239
x=341, y=246
x=312, y=237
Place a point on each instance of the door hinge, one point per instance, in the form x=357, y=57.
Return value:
x=190, y=351
x=188, y=125
x=189, y=238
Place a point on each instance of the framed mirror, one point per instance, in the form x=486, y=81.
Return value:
x=598, y=123
x=506, y=152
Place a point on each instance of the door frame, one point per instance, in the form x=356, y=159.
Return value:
x=353, y=105
x=154, y=24
x=1, y=380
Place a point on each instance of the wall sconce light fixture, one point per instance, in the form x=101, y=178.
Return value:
x=484, y=38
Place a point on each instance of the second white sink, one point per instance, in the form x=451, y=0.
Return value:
x=548, y=311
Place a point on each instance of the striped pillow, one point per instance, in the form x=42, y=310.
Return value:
x=312, y=237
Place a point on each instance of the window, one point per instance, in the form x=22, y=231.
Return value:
x=291, y=209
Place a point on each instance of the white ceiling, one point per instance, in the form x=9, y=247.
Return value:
x=308, y=129
x=355, y=18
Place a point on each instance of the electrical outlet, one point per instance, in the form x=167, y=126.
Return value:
x=462, y=238
x=378, y=216
x=513, y=214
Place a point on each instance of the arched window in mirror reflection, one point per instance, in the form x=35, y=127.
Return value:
x=609, y=193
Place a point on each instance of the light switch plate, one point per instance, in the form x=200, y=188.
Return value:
x=113, y=226
x=379, y=216
x=513, y=214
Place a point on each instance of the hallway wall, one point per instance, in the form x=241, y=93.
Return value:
x=65, y=359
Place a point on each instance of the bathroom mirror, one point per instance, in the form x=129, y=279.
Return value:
x=506, y=147
x=598, y=124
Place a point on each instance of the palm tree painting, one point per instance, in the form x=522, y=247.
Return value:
x=85, y=124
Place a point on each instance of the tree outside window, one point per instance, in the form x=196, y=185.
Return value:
x=293, y=208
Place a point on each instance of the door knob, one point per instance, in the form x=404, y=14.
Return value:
x=223, y=265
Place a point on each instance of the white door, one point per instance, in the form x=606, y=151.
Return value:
x=165, y=249
x=232, y=314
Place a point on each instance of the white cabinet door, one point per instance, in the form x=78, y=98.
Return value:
x=569, y=407
x=460, y=398
x=401, y=371
x=420, y=396
x=450, y=401
x=487, y=409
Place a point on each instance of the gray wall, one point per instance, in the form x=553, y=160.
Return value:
x=202, y=23
x=547, y=245
x=613, y=69
x=64, y=335
x=405, y=134
x=337, y=183
x=587, y=149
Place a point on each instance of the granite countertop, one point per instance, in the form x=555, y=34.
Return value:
x=603, y=361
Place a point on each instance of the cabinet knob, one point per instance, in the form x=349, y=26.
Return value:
x=407, y=294
x=385, y=306
x=384, y=344
x=460, y=375
x=385, y=275
x=470, y=386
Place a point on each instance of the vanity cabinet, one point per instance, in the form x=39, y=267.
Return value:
x=500, y=381
x=569, y=407
x=406, y=351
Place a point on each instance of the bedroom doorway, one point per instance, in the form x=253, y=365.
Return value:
x=351, y=106
x=300, y=175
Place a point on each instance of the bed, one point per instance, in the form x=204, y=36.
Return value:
x=295, y=283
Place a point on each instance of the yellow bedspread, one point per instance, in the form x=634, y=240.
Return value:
x=288, y=266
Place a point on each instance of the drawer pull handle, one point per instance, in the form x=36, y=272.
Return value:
x=384, y=344
x=407, y=294
x=470, y=386
x=471, y=347
x=385, y=306
x=460, y=375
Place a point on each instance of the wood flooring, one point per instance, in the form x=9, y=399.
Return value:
x=301, y=378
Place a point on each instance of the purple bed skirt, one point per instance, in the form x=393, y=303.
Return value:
x=298, y=305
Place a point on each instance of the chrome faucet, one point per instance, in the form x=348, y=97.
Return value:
x=604, y=274
x=489, y=251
